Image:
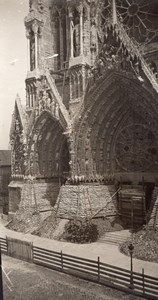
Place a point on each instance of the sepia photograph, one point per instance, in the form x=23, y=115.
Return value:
x=78, y=149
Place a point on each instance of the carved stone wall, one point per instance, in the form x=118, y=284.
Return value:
x=91, y=110
x=117, y=119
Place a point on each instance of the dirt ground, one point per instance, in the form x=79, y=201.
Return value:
x=23, y=281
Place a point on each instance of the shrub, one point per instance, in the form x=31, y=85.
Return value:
x=80, y=231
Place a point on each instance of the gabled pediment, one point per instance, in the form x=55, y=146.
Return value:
x=122, y=47
x=18, y=118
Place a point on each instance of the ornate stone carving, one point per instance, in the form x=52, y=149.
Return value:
x=40, y=6
x=18, y=146
x=76, y=36
x=136, y=148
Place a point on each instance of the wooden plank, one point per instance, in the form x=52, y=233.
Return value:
x=80, y=267
x=47, y=261
x=152, y=287
x=102, y=265
x=116, y=281
x=3, y=244
x=151, y=281
x=19, y=249
x=42, y=256
x=3, y=240
x=48, y=265
x=107, y=267
x=150, y=292
x=45, y=254
x=125, y=283
x=84, y=263
x=79, y=258
x=111, y=270
x=112, y=275
x=81, y=271
x=116, y=275
x=150, y=277
x=37, y=249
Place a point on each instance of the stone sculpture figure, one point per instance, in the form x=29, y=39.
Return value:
x=32, y=52
x=76, y=37
x=93, y=34
x=53, y=107
x=57, y=111
x=48, y=101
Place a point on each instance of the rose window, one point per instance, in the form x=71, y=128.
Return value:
x=140, y=18
x=136, y=148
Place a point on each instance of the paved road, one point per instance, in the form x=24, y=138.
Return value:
x=108, y=253
x=31, y=282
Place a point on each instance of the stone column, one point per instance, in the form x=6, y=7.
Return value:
x=27, y=98
x=61, y=40
x=35, y=30
x=32, y=99
x=71, y=32
x=28, y=49
x=83, y=79
x=81, y=28
x=33, y=95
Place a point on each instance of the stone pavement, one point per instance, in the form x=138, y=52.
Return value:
x=109, y=254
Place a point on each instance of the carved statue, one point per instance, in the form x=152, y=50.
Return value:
x=76, y=37
x=32, y=53
x=57, y=111
x=48, y=101
x=53, y=107
x=93, y=34
x=30, y=4
x=17, y=126
x=41, y=105
x=40, y=6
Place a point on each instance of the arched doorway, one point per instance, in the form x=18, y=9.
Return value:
x=49, y=152
x=118, y=132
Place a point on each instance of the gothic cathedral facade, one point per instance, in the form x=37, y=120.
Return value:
x=90, y=124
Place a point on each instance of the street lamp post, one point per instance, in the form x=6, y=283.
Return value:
x=1, y=280
x=131, y=248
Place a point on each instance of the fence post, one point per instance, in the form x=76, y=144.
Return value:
x=98, y=268
x=32, y=252
x=143, y=281
x=62, y=264
x=1, y=280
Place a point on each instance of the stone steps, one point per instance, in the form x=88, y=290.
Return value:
x=115, y=238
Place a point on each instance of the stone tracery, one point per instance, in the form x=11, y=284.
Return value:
x=136, y=148
x=100, y=142
x=139, y=17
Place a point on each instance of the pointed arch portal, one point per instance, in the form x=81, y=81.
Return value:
x=118, y=130
x=49, y=153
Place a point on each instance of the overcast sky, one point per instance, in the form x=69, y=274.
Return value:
x=13, y=46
